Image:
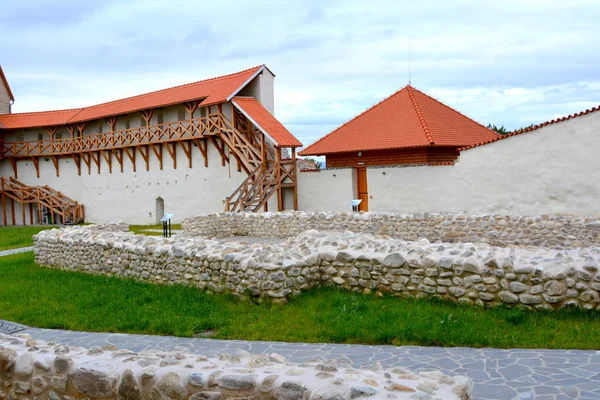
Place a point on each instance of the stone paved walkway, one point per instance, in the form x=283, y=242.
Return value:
x=15, y=251
x=497, y=374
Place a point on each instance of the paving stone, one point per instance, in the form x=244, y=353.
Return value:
x=497, y=374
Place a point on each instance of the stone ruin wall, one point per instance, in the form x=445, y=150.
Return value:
x=41, y=370
x=498, y=230
x=477, y=274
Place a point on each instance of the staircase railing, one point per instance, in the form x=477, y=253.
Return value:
x=55, y=202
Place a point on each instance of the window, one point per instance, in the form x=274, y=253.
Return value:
x=127, y=124
x=180, y=115
x=100, y=128
x=19, y=137
x=159, y=118
x=142, y=121
x=59, y=135
x=40, y=136
x=203, y=112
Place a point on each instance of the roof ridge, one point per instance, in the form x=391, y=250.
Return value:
x=173, y=87
x=426, y=129
x=533, y=128
x=5, y=81
x=453, y=109
x=355, y=117
x=46, y=112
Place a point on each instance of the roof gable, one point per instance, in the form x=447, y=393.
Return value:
x=407, y=118
x=210, y=91
x=6, y=85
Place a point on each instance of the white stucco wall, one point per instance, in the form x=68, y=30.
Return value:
x=328, y=190
x=131, y=196
x=555, y=169
x=262, y=89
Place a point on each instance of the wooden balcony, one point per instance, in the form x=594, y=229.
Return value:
x=196, y=128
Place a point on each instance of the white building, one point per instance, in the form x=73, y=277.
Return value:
x=201, y=147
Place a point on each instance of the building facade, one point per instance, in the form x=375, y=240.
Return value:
x=207, y=146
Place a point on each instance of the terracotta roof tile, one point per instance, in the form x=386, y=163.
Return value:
x=408, y=118
x=532, y=128
x=212, y=91
x=266, y=122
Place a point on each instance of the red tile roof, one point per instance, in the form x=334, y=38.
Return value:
x=266, y=122
x=408, y=118
x=532, y=128
x=3, y=78
x=212, y=91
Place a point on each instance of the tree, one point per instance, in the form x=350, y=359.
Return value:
x=503, y=131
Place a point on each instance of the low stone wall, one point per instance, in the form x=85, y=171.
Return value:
x=557, y=231
x=470, y=273
x=47, y=370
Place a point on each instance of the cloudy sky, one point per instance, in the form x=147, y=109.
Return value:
x=505, y=62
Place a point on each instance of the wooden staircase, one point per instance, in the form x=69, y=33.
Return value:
x=268, y=174
x=55, y=205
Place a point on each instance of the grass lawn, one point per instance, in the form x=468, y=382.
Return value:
x=12, y=237
x=49, y=298
x=143, y=229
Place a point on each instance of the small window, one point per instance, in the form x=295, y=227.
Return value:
x=181, y=115
x=40, y=136
x=100, y=128
x=127, y=124
x=203, y=112
x=59, y=135
x=19, y=137
x=159, y=118
x=142, y=121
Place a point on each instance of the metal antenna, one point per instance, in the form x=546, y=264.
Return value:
x=409, y=60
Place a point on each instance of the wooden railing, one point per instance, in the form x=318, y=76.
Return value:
x=56, y=203
x=167, y=132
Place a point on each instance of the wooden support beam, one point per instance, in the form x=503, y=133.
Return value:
x=112, y=122
x=157, y=149
x=72, y=130
x=77, y=161
x=81, y=128
x=187, y=150
x=118, y=153
x=220, y=149
x=172, y=150
x=131, y=153
x=88, y=161
x=107, y=155
x=12, y=209
x=146, y=155
x=55, y=161
x=295, y=179
x=36, y=164
x=191, y=107
x=30, y=214
x=52, y=131
x=13, y=162
x=96, y=159
x=279, y=190
x=23, y=214
x=202, y=145
x=4, y=209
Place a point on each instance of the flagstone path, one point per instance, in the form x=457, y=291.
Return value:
x=498, y=374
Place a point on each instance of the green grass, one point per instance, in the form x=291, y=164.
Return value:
x=49, y=298
x=12, y=237
x=143, y=229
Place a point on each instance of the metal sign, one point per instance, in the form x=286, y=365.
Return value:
x=166, y=217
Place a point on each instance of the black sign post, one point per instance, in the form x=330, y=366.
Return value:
x=166, y=220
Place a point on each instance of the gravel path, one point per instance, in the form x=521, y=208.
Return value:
x=16, y=251
x=498, y=374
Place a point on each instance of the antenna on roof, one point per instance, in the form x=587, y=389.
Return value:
x=409, y=60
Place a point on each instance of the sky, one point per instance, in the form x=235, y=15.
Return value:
x=510, y=62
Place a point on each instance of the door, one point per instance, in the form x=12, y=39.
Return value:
x=363, y=193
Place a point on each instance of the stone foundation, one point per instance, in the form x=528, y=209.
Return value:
x=48, y=370
x=469, y=273
x=556, y=231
